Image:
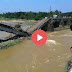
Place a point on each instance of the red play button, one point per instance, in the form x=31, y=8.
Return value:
x=39, y=37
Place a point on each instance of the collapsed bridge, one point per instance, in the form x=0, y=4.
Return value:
x=47, y=24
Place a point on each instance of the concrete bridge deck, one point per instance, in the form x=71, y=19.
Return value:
x=14, y=30
x=37, y=25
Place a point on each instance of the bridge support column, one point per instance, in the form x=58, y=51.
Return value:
x=50, y=27
x=69, y=22
x=61, y=23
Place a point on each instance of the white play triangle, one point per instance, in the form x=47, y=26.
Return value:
x=39, y=37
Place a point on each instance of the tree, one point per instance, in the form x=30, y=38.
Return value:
x=57, y=12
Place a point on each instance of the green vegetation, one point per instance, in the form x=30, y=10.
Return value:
x=68, y=14
x=29, y=15
x=9, y=43
x=32, y=15
x=18, y=26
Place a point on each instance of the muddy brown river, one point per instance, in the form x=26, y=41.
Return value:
x=28, y=57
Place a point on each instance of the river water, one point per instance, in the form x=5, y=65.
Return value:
x=28, y=57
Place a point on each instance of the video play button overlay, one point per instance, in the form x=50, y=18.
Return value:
x=39, y=37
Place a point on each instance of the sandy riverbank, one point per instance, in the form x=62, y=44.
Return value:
x=7, y=21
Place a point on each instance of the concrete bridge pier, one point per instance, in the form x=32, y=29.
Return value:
x=69, y=22
x=62, y=24
x=50, y=27
x=45, y=27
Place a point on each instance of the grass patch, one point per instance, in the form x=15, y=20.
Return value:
x=5, y=45
x=18, y=26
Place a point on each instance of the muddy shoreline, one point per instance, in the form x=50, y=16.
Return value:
x=7, y=44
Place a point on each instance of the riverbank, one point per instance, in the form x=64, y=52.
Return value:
x=7, y=20
x=7, y=44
